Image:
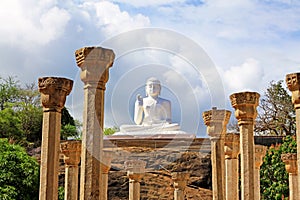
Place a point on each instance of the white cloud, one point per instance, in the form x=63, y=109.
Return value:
x=139, y=3
x=31, y=23
x=228, y=3
x=233, y=20
x=113, y=21
x=247, y=76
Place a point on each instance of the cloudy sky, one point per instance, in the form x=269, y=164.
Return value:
x=202, y=51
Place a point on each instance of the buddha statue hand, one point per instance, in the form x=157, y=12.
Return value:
x=139, y=99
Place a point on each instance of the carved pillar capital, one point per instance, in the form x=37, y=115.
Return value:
x=135, y=169
x=135, y=177
x=260, y=152
x=94, y=63
x=71, y=151
x=180, y=179
x=53, y=92
x=135, y=166
x=245, y=104
x=232, y=146
x=216, y=121
x=290, y=160
x=293, y=83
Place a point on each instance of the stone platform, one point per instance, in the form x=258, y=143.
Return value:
x=170, y=135
x=176, y=141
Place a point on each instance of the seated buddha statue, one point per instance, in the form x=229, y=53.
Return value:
x=151, y=113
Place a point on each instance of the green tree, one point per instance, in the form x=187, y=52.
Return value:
x=69, y=126
x=21, y=113
x=10, y=125
x=274, y=180
x=9, y=91
x=19, y=173
x=29, y=95
x=276, y=115
x=66, y=117
x=31, y=120
x=61, y=193
x=110, y=130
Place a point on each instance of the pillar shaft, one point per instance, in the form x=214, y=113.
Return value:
x=290, y=160
x=218, y=168
x=104, y=182
x=293, y=186
x=134, y=189
x=53, y=96
x=260, y=152
x=91, y=145
x=293, y=83
x=71, y=151
x=135, y=171
x=232, y=179
x=216, y=121
x=232, y=166
x=94, y=63
x=71, y=182
x=179, y=183
x=105, y=167
x=247, y=161
x=297, y=193
x=50, y=155
x=245, y=104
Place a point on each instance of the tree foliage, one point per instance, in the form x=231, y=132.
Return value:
x=276, y=115
x=19, y=173
x=10, y=124
x=21, y=114
x=274, y=180
x=70, y=128
x=110, y=130
x=9, y=91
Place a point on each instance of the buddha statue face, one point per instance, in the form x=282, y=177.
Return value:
x=153, y=87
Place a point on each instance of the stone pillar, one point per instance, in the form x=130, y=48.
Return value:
x=71, y=151
x=293, y=83
x=232, y=150
x=245, y=104
x=135, y=171
x=179, y=182
x=260, y=152
x=94, y=63
x=53, y=96
x=290, y=160
x=105, y=167
x=216, y=121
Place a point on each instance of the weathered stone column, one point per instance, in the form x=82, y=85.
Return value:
x=71, y=151
x=290, y=160
x=53, y=96
x=293, y=83
x=105, y=167
x=260, y=152
x=94, y=63
x=232, y=150
x=216, y=121
x=135, y=171
x=245, y=104
x=179, y=182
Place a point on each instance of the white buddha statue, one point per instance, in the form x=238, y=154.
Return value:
x=152, y=113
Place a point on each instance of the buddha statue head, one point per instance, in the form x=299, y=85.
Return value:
x=153, y=87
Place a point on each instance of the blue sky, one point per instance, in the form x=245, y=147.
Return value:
x=249, y=42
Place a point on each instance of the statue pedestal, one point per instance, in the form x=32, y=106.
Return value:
x=152, y=135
